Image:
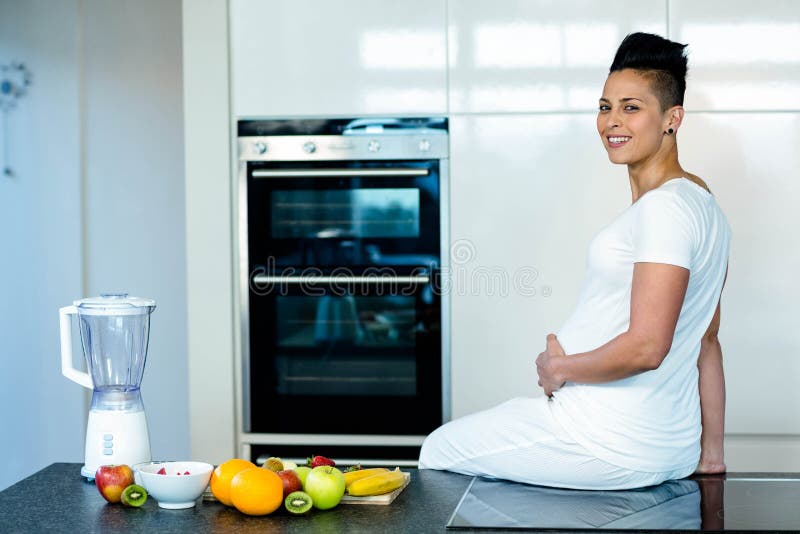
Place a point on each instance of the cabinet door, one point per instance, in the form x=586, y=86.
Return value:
x=315, y=58
x=752, y=166
x=738, y=63
x=742, y=55
x=528, y=192
x=538, y=55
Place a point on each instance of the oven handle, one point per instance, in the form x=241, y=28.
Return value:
x=336, y=173
x=372, y=280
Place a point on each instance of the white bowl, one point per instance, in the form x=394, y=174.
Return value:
x=174, y=491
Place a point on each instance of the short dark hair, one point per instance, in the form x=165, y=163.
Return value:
x=660, y=60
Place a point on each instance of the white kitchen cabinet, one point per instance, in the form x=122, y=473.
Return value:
x=756, y=178
x=209, y=245
x=530, y=185
x=743, y=55
x=354, y=58
x=528, y=192
x=538, y=55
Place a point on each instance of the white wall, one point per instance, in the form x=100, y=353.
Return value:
x=134, y=190
x=98, y=204
x=41, y=412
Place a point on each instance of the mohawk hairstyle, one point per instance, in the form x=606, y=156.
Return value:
x=661, y=61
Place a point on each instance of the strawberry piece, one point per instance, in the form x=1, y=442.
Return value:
x=317, y=461
x=161, y=471
x=186, y=473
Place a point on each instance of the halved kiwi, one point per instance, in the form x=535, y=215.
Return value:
x=273, y=463
x=134, y=495
x=298, y=502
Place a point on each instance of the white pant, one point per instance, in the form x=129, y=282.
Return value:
x=520, y=440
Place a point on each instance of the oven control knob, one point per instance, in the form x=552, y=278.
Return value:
x=260, y=147
x=424, y=145
x=309, y=147
x=374, y=146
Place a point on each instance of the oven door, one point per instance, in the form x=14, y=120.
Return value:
x=358, y=355
x=353, y=214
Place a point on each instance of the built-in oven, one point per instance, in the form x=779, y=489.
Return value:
x=342, y=254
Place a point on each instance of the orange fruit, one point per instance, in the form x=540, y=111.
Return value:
x=222, y=476
x=257, y=491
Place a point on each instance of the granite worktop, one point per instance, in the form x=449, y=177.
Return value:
x=58, y=499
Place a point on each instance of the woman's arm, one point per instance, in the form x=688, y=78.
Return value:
x=712, y=399
x=656, y=299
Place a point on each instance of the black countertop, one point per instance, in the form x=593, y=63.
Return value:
x=58, y=499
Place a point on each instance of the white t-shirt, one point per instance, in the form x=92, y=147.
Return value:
x=650, y=421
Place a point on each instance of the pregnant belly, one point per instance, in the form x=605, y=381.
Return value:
x=578, y=335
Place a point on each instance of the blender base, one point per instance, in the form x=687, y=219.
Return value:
x=87, y=473
x=115, y=437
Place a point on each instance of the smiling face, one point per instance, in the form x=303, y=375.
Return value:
x=630, y=120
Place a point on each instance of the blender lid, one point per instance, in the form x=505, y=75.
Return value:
x=115, y=304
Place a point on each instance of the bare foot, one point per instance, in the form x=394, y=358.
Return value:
x=710, y=468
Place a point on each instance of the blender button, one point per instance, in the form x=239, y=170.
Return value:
x=107, y=437
x=108, y=445
x=108, y=452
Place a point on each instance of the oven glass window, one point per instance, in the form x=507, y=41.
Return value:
x=349, y=213
x=346, y=345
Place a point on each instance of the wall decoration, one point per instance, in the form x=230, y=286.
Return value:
x=14, y=82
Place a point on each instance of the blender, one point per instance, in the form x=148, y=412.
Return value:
x=115, y=331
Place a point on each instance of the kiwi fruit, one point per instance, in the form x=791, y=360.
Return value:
x=298, y=502
x=273, y=463
x=134, y=495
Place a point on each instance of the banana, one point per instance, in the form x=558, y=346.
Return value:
x=377, y=484
x=352, y=476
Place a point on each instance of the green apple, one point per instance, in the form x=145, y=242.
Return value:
x=302, y=472
x=325, y=484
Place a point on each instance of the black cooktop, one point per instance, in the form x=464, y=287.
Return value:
x=707, y=503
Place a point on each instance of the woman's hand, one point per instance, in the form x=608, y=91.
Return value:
x=547, y=364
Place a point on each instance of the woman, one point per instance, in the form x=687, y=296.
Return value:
x=633, y=381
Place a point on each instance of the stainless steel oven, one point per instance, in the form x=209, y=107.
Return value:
x=342, y=252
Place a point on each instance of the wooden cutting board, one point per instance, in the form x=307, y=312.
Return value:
x=384, y=499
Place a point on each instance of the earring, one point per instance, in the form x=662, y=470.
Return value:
x=670, y=131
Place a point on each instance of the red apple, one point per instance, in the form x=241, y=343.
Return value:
x=291, y=482
x=112, y=479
